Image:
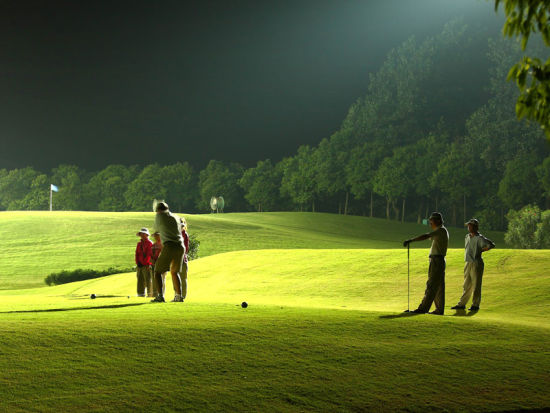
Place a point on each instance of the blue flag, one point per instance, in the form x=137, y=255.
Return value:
x=54, y=188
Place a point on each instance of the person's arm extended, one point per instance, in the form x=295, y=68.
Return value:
x=419, y=238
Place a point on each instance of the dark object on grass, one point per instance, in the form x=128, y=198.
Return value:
x=92, y=296
x=244, y=304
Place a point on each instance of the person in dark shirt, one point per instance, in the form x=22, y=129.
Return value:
x=435, y=287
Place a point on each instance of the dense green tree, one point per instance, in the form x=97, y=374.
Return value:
x=15, y=185
x=70, y=180
x=531, y=74
x=261, y=186
x=543, y=173
x=329, y=160
x=519, y=185
x=180, y=182
x=145, y=188
x=105, y=190
x=219, y=179
x=37, y=199
x=361, y=171
x=298, y=181
x=427, y=152
x=454, y=176
x=394, y=179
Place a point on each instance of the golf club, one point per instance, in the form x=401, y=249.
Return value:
x=408, y=278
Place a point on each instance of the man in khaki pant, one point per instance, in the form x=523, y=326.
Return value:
x=475, y=244
x=171, y=255
x=435, y=286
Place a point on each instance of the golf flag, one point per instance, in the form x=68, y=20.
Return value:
x=54, y=188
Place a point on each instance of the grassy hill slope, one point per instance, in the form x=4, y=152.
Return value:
x=324, y=332
x=39, y=243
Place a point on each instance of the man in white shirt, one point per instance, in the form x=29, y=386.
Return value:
x=475, y=244
x=435, y=287
x=171, y=255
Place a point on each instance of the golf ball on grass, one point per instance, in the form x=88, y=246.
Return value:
x=92, y=296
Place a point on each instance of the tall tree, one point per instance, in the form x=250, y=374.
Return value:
x=15, y=185
x=426, y=153
x=181, y=186
x=519, y=185
x=105, y=190
x=531, y=74
x=219, y=179
x=453, y=177
x=145, y=188
x=261, y=186
x=37, y=199
x=329, y=160
x=298, y=181
x=361, y=171
x=394, y=179
x=543, y=173
x=70, y=180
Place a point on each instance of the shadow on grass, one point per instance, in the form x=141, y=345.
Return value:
x=53, y=310
x=399, y=315
x=87, y=297
x=463, y=313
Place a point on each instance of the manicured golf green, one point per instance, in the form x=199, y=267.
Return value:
x=324, y=330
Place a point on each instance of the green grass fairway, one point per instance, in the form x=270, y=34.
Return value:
x=324, y=330
x=39, y=243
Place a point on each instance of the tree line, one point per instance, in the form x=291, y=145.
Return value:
x=430, y=134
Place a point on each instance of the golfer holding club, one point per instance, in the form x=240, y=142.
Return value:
x=435, y=287
x=171, y=255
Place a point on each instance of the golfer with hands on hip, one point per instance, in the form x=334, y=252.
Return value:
x=474, y=245
x=435, y=287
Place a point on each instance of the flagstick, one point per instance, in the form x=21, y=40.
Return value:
x=50, y=197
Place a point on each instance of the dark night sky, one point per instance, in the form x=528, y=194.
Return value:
x=94, y=83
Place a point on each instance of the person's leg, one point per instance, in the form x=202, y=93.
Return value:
x=432, y=286
x=184, y=280
x=149, y=282
x=439, y=299
x=159, y=279
x=155, y=284
x=478, y=270
x=161, y=266
x=140, y=281
x=175, y=270
x=468, y=284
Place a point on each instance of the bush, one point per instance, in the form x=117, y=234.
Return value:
x=542, y=234
x=79, y=274
x=194, y=245
x=528, y=228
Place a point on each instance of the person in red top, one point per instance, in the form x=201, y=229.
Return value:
x=185, y=267
x=143, y=262
x=157, y=248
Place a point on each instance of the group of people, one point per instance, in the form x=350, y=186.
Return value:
x=167, y=253
x=475, y=245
